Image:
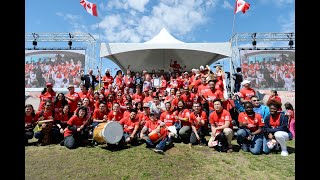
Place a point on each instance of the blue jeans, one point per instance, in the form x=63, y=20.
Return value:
x=254, y=145
x=162, y=144
x=265, y=148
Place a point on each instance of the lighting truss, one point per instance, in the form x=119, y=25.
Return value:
x=86, y=38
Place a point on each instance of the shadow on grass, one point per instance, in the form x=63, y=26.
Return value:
x=114, y=147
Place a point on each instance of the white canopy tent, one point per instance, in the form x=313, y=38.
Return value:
x=156, y=53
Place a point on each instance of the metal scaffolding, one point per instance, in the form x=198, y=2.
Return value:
x=254, y=38
x=86, y=38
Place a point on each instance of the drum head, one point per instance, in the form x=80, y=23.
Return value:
x=112, y=132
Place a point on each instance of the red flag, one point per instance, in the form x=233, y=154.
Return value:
x=241, y=5
x=90, y=7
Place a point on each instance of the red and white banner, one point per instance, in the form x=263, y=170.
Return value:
x=90, y=7
x=241, y=5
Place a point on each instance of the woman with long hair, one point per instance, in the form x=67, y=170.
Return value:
x=291, y=114
x=30, y=120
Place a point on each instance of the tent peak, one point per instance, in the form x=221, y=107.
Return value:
x=163, y=37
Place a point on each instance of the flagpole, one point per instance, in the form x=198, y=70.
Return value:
x=230, y=62
x=100, y=77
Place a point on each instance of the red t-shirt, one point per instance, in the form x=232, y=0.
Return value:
x=97, y=114
x=253, y=121
x=184, y=114
x=44, y=97
x=118, y=116
x=219, y=119
x=212, y=95
x=168, y=118
x=247, y=93
x=152, y=125
x=129, y=124
x=275, y=122
x=193, y=118
x=74, y=121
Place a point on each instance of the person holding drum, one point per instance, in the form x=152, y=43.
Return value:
x=29, y=121
x=45, y=123
x=155, y=133
x=76, y=135
x=130, y=127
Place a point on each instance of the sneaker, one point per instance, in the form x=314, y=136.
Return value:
x=62, y=143
x=284, y=153
x=159, y=151
x=202, y=144
x=190, y=145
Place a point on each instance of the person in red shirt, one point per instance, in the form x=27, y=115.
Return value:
x=61, y=118
x=115, y=114
x=100, y=115
x=138, y=96
x=213, y=94
x=198, y=120
x=189, y=98
x=220, y=122
x=130, y=127
x=44, y=132
x=47, y=94
x=59, y=102
x=155, y=126
x=274, y=95
x=76, y=134
x=107, y=79
x=250, y=134
x=72, y=98
x=182, y=117
x=246, y=92
x=276, y=127
x=29, y=122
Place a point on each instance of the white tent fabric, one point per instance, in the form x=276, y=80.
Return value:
x=156, y=53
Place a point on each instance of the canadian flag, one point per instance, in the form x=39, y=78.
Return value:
x=90, y=7
x=241, y=5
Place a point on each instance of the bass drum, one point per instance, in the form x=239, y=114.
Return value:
x=110, y=132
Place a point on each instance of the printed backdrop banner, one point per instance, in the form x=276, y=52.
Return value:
x=60, y=67
x=269, y=69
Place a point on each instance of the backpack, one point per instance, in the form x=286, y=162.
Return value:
x=222, y=142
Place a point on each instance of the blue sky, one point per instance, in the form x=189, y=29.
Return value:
x=130, y=21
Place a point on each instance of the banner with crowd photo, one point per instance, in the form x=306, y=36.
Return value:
x=269, y=69
x=60, y=67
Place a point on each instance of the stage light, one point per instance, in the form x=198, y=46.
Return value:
x=254, y=42
x=291, y=43
x=34, y=43
x=70, y=44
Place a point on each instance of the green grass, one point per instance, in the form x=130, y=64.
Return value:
x=138, y=162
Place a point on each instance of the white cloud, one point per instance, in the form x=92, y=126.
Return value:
x=140, y=23
x=287, y=23
x=74, y=21
x=138, y=4
x=227, y=5
x=278, y=3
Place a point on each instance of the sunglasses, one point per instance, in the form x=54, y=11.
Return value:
x=254, y=100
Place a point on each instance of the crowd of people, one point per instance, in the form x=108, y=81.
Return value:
x=182, y=107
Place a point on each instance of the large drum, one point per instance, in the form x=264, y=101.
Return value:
x=156, y=136
x=110, y=132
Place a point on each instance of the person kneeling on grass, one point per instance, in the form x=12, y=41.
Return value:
x=250, y=134
x=276, y=127
x=76, y=133
x=220, y=121
x=155, y=133
x=130, y=127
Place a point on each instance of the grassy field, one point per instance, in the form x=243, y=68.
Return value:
x=138, y=162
